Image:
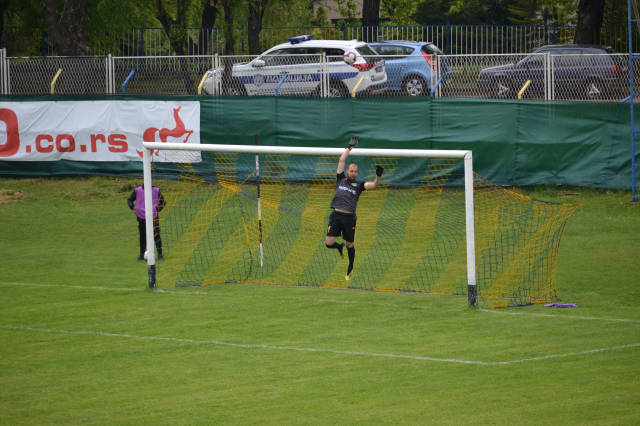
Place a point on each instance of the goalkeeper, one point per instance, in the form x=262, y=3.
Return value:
x=342, y=220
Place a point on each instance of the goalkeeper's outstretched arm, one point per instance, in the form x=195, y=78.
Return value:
x=373, y=185
x=345, y=154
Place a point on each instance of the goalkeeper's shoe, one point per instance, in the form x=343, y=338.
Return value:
x=160, y=257
x=141, y=257
x=340, y=249
x=349, y=273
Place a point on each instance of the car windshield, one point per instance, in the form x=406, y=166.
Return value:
x=271, y=58
x=333, y=54
x=367, y=52
x=611, y=50
x=393, y=50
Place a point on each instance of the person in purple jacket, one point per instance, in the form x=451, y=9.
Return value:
x=137, y=196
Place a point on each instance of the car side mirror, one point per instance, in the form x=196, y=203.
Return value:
x=258, y=63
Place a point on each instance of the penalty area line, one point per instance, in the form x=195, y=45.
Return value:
x=290, y=348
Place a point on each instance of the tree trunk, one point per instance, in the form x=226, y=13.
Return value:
x=370, y=19
x=229, y=42
x=66, y=31
x=590, y=16
x=229, y=36
x=256, y=13
x=177, y=33
x=254, y=28
x=208, y=21
x=4, y=5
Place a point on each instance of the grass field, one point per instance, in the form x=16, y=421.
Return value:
x=85, y=342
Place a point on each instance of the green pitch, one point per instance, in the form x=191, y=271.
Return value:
x=85, y=342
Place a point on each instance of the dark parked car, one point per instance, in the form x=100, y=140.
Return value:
x=411, y=66
x=577, y=72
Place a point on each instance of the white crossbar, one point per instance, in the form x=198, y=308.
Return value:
x=293, y=150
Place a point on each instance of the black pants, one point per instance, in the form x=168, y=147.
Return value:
x=142, y=229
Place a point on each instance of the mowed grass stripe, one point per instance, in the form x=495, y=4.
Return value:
x=308, y=324
x=323, y=300
x=332, y=351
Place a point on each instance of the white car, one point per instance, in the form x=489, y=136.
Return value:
x=296, y=69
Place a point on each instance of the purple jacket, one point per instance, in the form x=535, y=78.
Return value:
x=138, y=195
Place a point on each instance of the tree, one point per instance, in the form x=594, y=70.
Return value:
x=347, y=10
x=4, y=6
x=229, y=42
x=67, y=29
x=208, y=20
x=176, y=28
x=590, y=17
x=370, y=18
x=257, y=8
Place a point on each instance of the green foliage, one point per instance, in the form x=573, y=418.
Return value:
x=505, y=12
x=347, y=10
x=320, y=20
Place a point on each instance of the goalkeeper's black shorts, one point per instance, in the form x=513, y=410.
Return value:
x=342, y=224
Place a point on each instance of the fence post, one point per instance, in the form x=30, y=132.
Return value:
x=142, y=41
x=344, y=31
x=448, y=38
x=554, y=33
x=3, y=59
x=43, y=43
x=242, y=38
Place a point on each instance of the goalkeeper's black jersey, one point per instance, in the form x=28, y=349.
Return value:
x=347, y=194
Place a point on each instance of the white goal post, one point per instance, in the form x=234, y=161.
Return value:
x=252, y=149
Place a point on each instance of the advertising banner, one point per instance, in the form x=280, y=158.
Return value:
x=102, y=131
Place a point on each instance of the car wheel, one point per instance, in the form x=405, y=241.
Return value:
x=501, y=89
x=235, y=88
x=236, y=91
x=593, y=90
x=414, y=85
x=337, y=89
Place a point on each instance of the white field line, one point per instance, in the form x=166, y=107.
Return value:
x=555, y=316
x=331, y=351
x=202, y=293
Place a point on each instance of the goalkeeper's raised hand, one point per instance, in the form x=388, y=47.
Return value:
x=379, y=171
x=354, y=142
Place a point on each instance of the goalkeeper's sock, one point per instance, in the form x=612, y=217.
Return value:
x=352, y=255
x=339, y=246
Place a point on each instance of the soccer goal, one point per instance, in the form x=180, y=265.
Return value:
x=258, y=214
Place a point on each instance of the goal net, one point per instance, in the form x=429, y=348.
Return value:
x=259, y=215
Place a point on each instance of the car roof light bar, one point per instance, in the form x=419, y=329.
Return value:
x=298, y=39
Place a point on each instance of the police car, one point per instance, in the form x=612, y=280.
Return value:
x=296, y=69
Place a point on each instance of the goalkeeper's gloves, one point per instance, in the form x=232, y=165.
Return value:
x=379, y=171
x=354, y=142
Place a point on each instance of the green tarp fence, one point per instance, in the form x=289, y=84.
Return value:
x=513, y=142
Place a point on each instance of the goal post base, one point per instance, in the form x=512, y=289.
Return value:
x=152, y=276
x=472, y=292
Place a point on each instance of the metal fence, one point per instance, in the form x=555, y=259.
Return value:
x=452, y=39
x=69, y=75
x=318, y=74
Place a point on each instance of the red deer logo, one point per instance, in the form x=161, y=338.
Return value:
x=149, y=135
